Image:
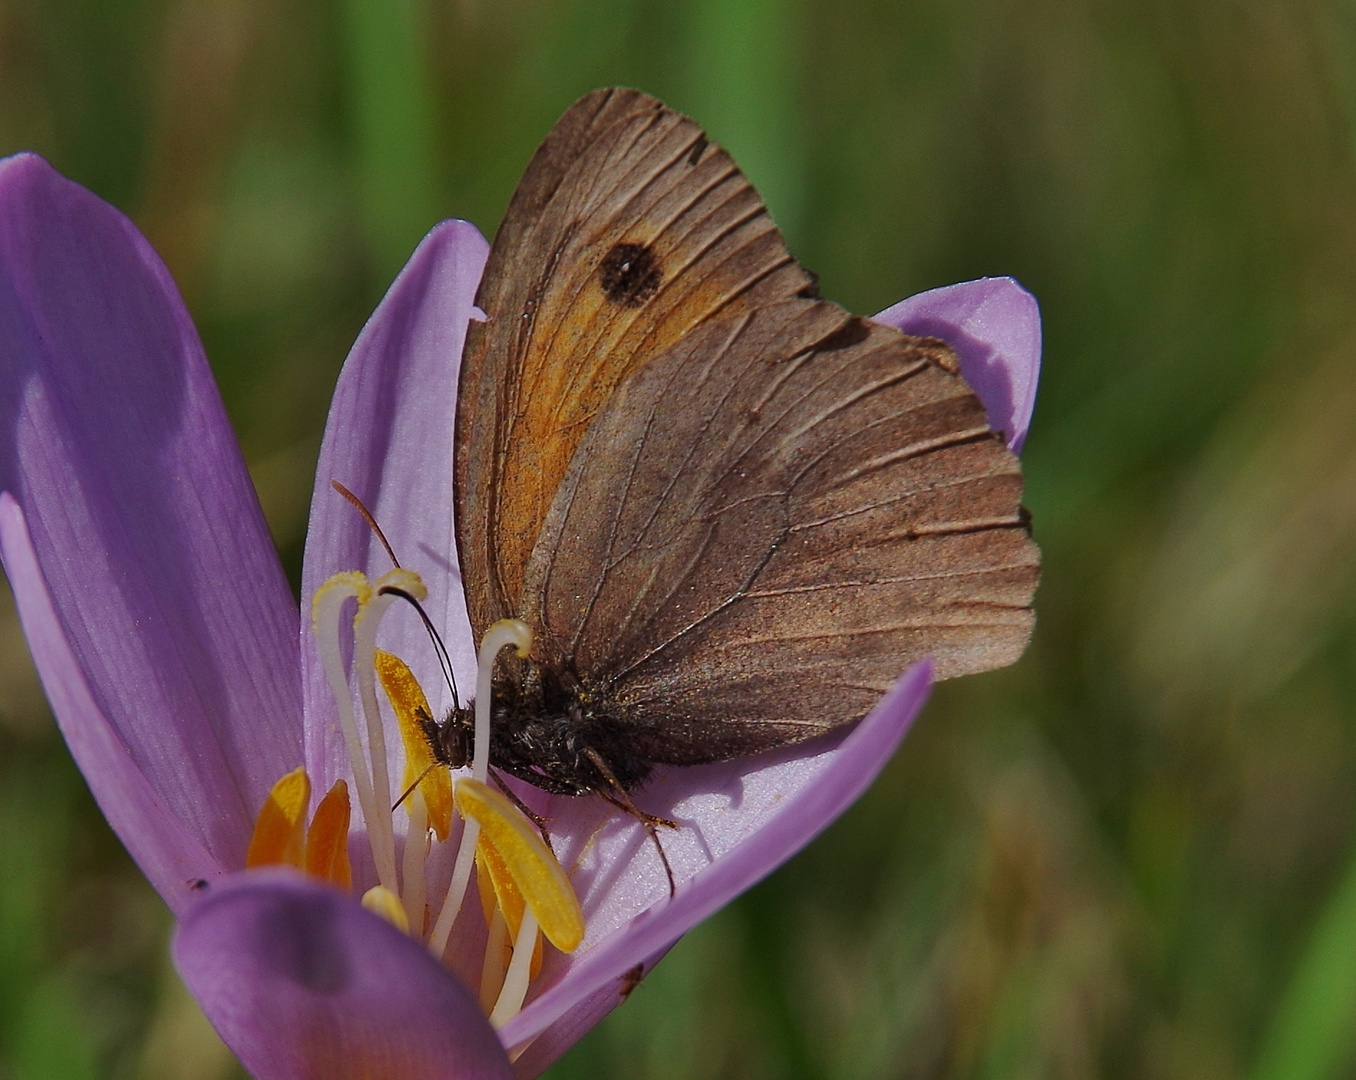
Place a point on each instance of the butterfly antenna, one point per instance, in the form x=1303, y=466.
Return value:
x=367, y=517
x=444, y=661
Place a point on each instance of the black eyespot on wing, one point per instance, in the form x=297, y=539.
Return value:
x=630, y=274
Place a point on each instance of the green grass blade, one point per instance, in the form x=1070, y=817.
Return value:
x=1313, y=1032
x=390, y=97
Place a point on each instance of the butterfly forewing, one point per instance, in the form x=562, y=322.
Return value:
x=764, y=526
x=627, y=231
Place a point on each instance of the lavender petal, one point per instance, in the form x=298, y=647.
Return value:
x=995, y=327
x=302, y=982
x=144, y=524
x=739, y=821
x=546, y=1048
x=389, y=440
x=172, y=858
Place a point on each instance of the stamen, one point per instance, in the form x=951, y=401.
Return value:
x=327, y=839
x=494, y=966
x=524, y=891
x=456, y=890
x=499, y=893
x=500, y=636
x=326, y=608
x=535, y=871
x=489, y=902
x=503, y=633
x=511, y=997
x=497, y=890
x=382, y=901
x=365, y=625
x=416, y=850
x=280, y=830
x=409, y=704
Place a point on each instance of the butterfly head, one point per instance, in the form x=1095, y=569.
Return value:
x=451, y=741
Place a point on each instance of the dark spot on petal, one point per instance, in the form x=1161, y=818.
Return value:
x=630, y=274
x=630, y=980
x=298, y=940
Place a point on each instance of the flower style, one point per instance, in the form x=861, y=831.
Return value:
x=186, y=682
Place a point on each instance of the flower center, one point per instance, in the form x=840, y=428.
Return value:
x=524, y=892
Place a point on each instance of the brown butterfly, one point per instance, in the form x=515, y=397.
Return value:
x=730, y=512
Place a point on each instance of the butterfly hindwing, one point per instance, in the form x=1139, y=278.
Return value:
x=764, y=526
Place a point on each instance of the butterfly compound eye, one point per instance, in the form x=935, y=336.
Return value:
x=630, y=274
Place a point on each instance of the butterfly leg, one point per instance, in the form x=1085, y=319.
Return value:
x=620, y=798
x=536, y=819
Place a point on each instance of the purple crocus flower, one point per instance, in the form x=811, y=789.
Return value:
x=186, y=684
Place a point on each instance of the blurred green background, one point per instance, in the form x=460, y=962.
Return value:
x=1131, y=855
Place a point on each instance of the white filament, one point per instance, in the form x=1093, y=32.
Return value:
x=456, y=889
x=511, y=997
x=502, y=634
x=492, y=966
x=416, y=849
x=365, y=624
x=325, y=612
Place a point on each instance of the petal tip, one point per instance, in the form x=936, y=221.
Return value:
x=994, y=325
x=25, y=161
x=456, y=232
x=301, y=981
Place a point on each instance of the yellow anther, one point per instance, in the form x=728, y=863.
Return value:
x=280, y=830
x=489, y=903
x=409, y=703
x=528, y=861
x=327, y=839
x=382, y=901
x=498, y=890
x=494, y=877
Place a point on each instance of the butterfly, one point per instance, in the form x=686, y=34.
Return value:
x=730, y=512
